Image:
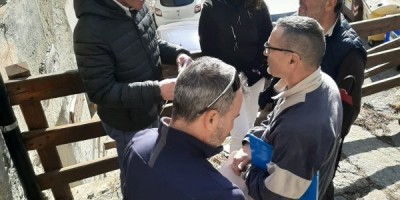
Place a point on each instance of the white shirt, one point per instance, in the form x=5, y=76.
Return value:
x=330, y=30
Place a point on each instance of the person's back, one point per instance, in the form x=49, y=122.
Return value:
x=235, y=31
x=171, y=162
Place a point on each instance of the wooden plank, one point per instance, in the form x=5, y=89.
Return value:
x=381, y=85
x=374, y=26
x=348, y=13
x=109, y=145
x=385, y=46
x=77, y=172
x=36, y=119
x=51, y=137
x=43, y=87
x=380, y=68
x=34, y=115
x=382, y=57
x=19, y=70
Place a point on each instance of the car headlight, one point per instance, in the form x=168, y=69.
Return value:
x=158, y=12
x=197, y=8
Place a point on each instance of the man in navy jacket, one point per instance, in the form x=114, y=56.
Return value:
x=304, y=128
x=171, y=162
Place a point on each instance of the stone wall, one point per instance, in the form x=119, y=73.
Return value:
x=37, y=32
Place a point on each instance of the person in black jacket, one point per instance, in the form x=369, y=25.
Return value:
x=118, y=58
x=235, y=32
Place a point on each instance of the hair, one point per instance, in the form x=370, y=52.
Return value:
x=338, y=6
x=199, y=84
x=305, y=36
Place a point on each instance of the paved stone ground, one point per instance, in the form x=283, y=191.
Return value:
x=370, y=166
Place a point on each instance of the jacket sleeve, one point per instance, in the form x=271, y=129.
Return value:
x=353, y=64
x=256, y=186
x=207, y=35
x=296, y=156
x=169, y=52
x=96, y=65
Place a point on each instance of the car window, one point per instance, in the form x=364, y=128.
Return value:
x=175, y=3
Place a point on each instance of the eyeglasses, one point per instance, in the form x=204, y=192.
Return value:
x=234, y=83
x=268, y=48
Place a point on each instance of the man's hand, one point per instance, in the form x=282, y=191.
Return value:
x=241, y=159
x=167, y=87
x=183, y=61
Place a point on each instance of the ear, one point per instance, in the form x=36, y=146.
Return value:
x=295, y=59
x=330, y=4
x=211, y=120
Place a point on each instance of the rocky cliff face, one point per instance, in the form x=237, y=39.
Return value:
x=38, y=32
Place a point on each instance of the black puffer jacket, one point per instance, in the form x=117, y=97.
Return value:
x=236, y=35
x=118, y=59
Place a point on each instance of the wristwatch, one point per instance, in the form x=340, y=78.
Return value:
x=245, y=172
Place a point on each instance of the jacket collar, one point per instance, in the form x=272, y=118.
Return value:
x=126, y=9
x=185, y=143
x=296, y=94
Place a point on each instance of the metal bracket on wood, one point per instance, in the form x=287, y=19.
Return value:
x=8, y=128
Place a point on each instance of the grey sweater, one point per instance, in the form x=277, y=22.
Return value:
x=304, y=130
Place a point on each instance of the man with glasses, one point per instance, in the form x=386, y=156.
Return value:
x=345, y=55
x=304, y=127
x=171, y=162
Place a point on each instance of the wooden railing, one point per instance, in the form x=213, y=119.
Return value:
x=381, y=57
x=28, y=92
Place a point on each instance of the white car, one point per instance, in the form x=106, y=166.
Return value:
x=169, y=11
x=281, y=8
x=183, y=33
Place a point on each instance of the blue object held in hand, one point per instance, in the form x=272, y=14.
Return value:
x=261, y=153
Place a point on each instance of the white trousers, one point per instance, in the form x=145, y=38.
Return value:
x=248, y=115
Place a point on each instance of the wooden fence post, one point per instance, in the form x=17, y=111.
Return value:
x=19, y=155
